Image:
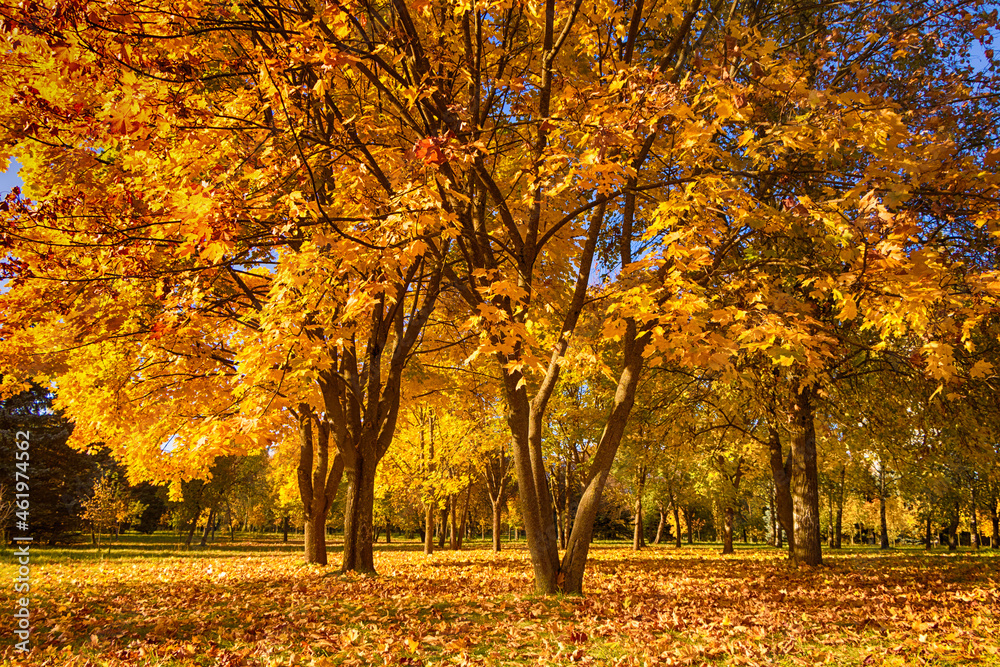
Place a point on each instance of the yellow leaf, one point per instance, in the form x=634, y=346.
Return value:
x=849, y=310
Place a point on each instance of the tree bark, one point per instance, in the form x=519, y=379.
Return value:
x=659, y=526
x=194, y=525
x=952, y=528
x=727, y=530
x=677, y=526
x=443, y=526
x=208, y=528
x=804, y=483
x=315, y=539
x=453, y=532
x=359, y=511
x=974, y=519
x=284, y=528
x=497, y=510
x=781, y=472
x=465, y=514
x=883, y=525
x=929, y=537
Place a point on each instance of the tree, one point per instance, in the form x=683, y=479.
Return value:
x=110, y=506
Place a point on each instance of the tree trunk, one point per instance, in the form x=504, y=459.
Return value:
x=359, y=511
x=781, y=473
x=284, y=528
x=883, y=525
x=677, y=526
x=774, y=516
x=465, y=514
x=566, y=527
x=429, y=528
x=928, y=537
x=315, y=539
x=689, y=519
x=388, y=531
x=838, y=533
x=443, y=526
x=453, y=532
x=194, y=525
x=727, y=530
x=638, y=537
x=208, y=527
x=804, y=483
x=659, y=526
x=497, y=510
x=952, y=528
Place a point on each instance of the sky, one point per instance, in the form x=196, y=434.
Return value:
x=9, y=178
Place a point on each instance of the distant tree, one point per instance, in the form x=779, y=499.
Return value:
x=111, y=506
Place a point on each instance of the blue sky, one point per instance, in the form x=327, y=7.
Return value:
x=9, y=178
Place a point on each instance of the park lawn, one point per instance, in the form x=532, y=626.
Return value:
x=255, y=603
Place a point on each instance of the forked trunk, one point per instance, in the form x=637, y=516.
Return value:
x=318, y=481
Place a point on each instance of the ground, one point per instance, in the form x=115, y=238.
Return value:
x=253, y=602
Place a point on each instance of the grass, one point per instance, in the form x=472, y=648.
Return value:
x=253, y=602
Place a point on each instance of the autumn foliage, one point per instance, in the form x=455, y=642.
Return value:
x=299, y=224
